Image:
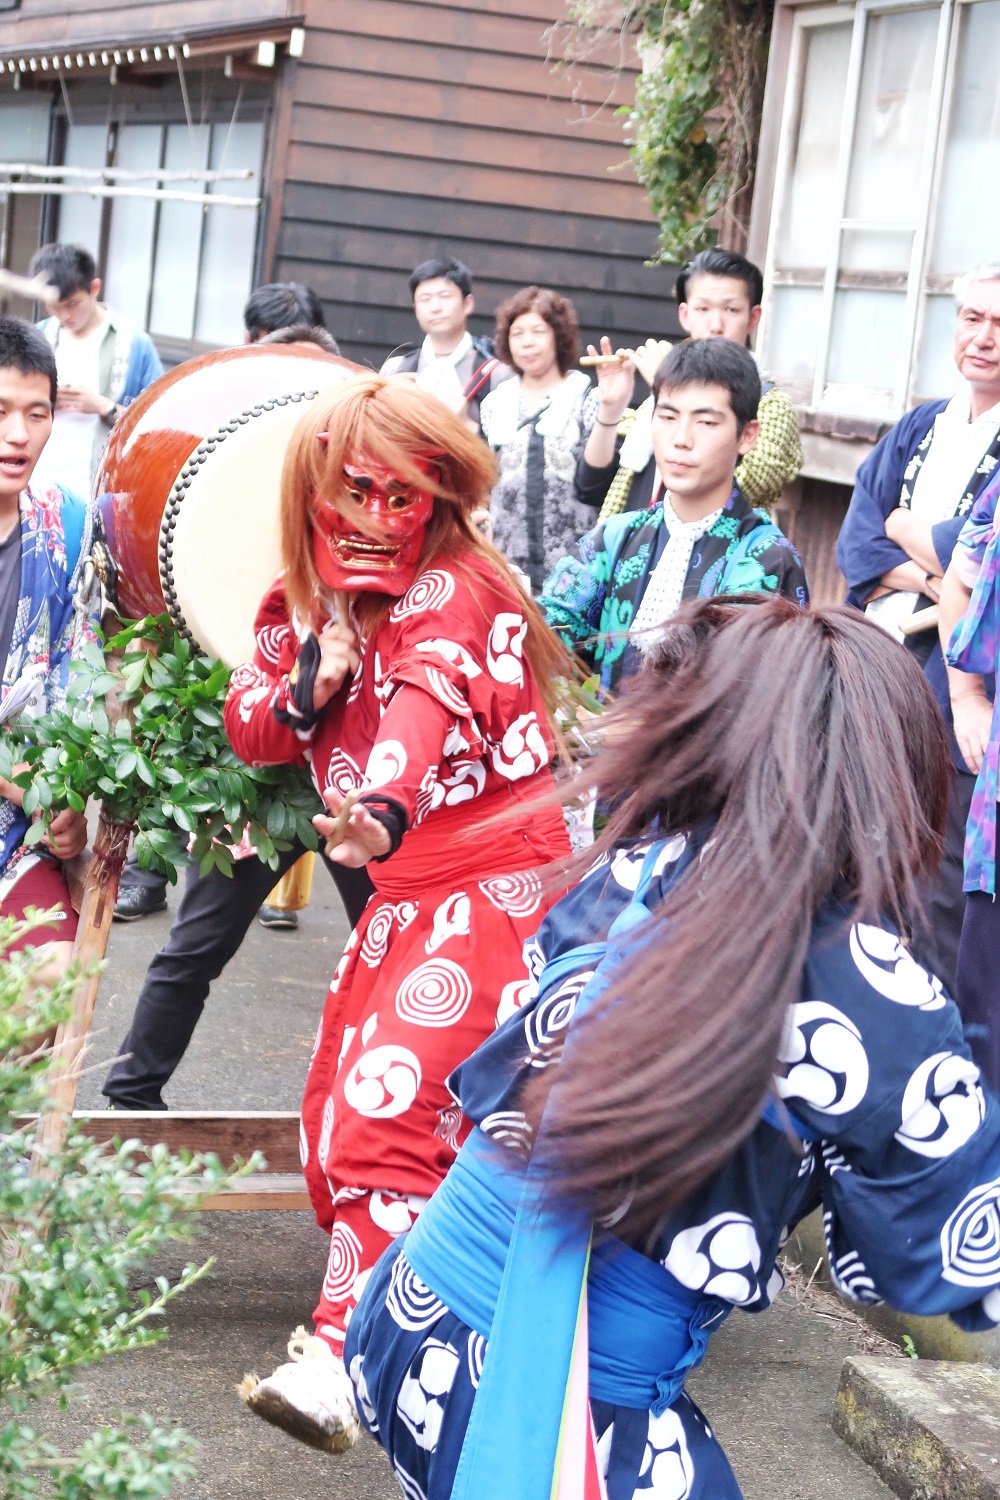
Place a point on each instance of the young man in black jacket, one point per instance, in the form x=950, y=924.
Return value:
x=453, y=364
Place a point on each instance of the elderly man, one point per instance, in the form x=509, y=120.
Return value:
x=910, y=501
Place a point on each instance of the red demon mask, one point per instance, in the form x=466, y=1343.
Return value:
x=385, y=563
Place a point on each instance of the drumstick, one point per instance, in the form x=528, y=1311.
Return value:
x=343, y=610
x=603, y=359
x=340, y=826
x=924, y=619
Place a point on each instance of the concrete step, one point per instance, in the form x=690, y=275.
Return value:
x=930, y=1428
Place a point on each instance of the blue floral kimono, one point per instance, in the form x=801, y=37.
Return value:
x=592, y=595
x=55, y=537
x=898, y=1142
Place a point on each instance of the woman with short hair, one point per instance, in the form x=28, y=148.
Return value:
x=538, y=423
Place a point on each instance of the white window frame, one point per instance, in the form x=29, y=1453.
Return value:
x=918, y=284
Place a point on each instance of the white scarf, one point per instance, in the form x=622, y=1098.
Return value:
x=501, y=413
x=665, y=588
x=438, y=373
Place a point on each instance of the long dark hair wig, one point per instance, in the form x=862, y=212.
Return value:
x=813, y=744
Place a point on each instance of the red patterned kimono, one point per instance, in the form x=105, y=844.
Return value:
x=445, y=720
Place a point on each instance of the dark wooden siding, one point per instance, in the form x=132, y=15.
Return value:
x=54, y=23
x=413, y=128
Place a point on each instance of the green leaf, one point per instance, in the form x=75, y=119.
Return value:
x=123, y=730
x=75, y=801
x=36, y=832
x=145, y=768
x=126, y=764
x=31, y=800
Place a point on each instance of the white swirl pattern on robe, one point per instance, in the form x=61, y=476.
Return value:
x=424, y=1391
x=519, y=895
x=411, y=1304
x=343, y=1263
x=970, y=1240
x=829, y=1066
x=436, y=993
x=431, y=590
x=546, y=1023
x=383, y=1083
x=888, y=968
x=943, y=1106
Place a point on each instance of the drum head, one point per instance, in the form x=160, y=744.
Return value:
x=190, y=483
x=219, y=543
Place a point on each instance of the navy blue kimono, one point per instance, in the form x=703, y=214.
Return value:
x=865, y=553
x=901, y=1148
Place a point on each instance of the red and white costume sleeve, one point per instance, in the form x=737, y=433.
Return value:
x=445, y=721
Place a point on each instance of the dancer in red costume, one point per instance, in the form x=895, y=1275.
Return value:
x=423, y=713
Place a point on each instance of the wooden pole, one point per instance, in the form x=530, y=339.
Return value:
x=99, y=896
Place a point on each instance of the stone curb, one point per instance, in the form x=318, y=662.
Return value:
x=933, y=1338
x=930, y=1429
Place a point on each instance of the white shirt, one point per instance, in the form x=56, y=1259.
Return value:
x=956, y=449
x=68, y=456
x=438, y=373
x=665, y=588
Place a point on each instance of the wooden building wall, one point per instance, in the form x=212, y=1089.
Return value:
x=417, y=127
x=54, y=23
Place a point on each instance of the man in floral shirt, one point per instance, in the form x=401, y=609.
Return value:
x=43, y=536
x=699, y=536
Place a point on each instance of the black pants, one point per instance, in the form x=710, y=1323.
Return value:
x=936, y=946
x=212, y=920
x=978, y=987
x=149, y=880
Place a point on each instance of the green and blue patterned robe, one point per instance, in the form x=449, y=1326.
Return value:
x=591, y=596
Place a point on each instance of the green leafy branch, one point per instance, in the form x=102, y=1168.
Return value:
x=693, y=127
x=77, y=1225
x=164, y=765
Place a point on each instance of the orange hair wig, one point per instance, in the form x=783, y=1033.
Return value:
x=396, y=422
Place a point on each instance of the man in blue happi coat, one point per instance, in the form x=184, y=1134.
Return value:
x=44, y=535
x=911, y=498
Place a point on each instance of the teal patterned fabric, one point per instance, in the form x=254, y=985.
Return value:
x=592, y=595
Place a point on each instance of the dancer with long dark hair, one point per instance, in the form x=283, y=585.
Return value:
x=746, y=1038
x=399, y=659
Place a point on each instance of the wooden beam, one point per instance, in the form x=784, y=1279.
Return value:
x=230, y=1134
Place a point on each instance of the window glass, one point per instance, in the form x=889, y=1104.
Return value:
x=24, y=137
x=790, y=358
x=178, y=243
x=893, y=106
x=808, y=217
x=133, y=220
x=80, y=216
x=24, y=127
x=864, y=367
x=936, y=372
x=967, y=221
x=230, y=237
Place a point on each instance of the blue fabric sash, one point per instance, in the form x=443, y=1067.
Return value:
x=646, y=1330
x=516, y=1272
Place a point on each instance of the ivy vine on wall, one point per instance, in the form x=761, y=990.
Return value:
x=693, y=128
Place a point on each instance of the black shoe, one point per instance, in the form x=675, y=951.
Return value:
x=276, y=916
x=137, y=901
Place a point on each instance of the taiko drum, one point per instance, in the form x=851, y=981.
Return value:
x=190, y=482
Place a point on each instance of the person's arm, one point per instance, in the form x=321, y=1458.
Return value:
x=776, y=457
x=910, y=1136
x=572, y=597
x=864, y=552
x=916, y=539
x=615, y=384
x=274, y=702
x=971, y=709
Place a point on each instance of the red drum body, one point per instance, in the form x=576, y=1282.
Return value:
x=190, y=484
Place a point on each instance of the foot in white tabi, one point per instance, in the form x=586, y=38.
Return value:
x=311, y=1397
